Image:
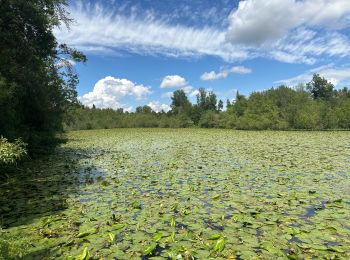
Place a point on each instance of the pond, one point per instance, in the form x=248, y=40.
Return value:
x=181, y=194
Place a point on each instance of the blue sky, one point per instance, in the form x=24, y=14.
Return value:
x=140, y=51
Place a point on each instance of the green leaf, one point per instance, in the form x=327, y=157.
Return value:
x=87, y=232
x=149, y=250
x=172, y=236
x=214, y=237
x=85, y=255
x=118, y=226
x=174, y=207
x=217, y=196
x=136, y=205
x=172, y=222
x=157, y=236
x=111, y=237
x=220, y=244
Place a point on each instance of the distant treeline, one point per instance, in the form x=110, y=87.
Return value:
x=315, y=106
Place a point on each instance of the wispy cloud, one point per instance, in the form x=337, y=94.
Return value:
x=97, y=27
x=223, y=73
x=285, y=30
x=339, y=76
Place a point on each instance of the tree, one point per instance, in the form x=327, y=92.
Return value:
x=37, y=81
x=195, y=114
x=144, y=109
x=309, y=116
x=206, y=101
x=211, y=101
x=180, y=102
x=220, y=105
x=240, y=104
x=320, y=88
x=278, y=108
x=201, y=99
x=209, y=119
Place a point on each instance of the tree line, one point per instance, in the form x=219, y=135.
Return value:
x=314, y=106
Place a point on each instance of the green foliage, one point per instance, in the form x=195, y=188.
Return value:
x=37, y=81
x=309, y=116
x=209, y=119
x=279, y=108
x=180, y=103
x=10, y=153
x=320, y=88
x=181, y=193
x=207, y=101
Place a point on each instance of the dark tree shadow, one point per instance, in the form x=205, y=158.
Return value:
x=39, y=187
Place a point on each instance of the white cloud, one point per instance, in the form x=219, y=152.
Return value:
x=339, y=76
x=304, y=46
x=194, y=93
x=173, y=81
x=167, y=95
x=158, y=107
x=97, y=28
x=223, y=73
x=187, y=89
x=213, y=75
x=109, y=93
x=291, y=31
x=241, y=70
x=256, y=21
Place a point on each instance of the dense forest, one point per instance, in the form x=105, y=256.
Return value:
x=314, y=106
x=38, y=97
x=37, y=81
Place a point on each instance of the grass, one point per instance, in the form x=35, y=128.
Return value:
x=156, y=193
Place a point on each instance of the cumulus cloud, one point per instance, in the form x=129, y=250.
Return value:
x=158, y=107
x=173, y=81
x=223, y=73
x=339, y=76
x=109, y=93
x=256, y=21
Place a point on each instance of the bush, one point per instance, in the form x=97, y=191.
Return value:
x=209, y=119
x=11, y=153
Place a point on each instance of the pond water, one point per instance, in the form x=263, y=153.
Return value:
x=181, y=194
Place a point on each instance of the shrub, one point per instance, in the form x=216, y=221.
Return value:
x=11, y=153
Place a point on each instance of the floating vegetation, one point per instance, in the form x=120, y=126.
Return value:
x=181, y=194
